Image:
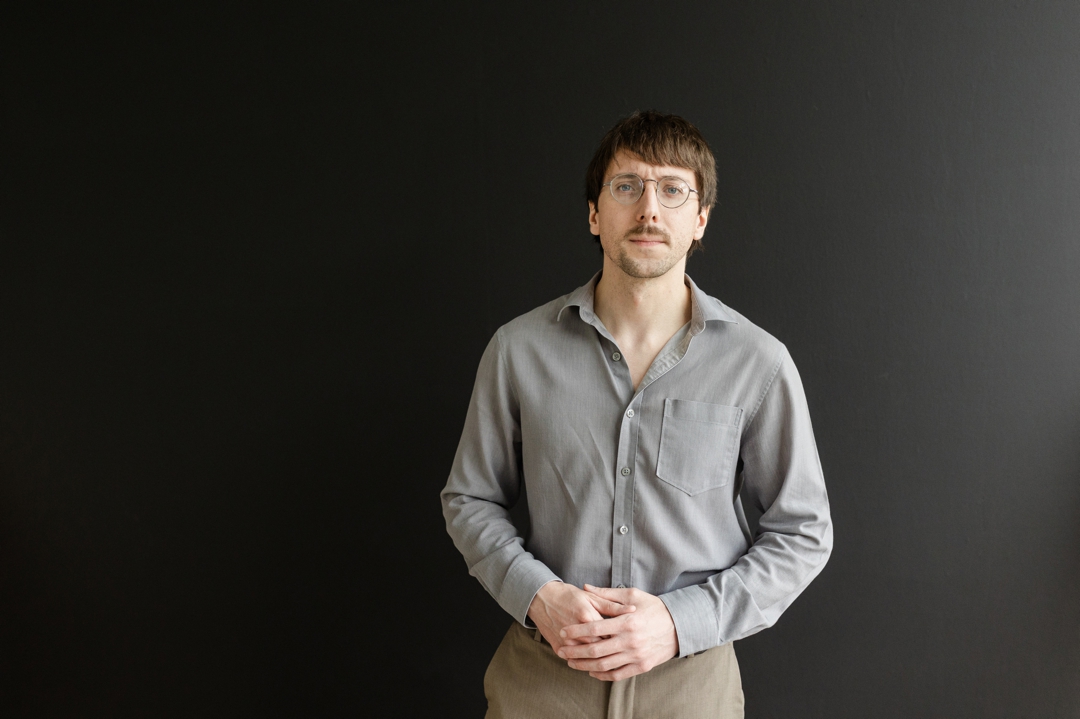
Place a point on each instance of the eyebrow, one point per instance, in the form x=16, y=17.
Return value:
x=690, y=180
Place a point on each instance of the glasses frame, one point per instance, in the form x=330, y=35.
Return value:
x=656, y=189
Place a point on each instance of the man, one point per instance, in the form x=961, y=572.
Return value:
x=633, y=411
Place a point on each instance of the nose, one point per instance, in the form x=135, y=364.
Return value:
x=648, y=203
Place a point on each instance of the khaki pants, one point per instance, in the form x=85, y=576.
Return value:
x=527, y=680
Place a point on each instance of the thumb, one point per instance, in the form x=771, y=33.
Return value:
x=606, y=592
x=615, y=601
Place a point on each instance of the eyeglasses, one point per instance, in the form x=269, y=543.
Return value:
x=671, y=192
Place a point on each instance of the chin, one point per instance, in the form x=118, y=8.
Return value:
x=643, y=271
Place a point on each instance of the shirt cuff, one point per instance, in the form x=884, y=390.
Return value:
x=694, y=615
x=520, y=588
x=528, y=622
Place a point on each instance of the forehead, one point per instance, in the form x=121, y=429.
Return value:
x=628, y=162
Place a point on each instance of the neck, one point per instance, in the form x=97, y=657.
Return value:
x=642, y=308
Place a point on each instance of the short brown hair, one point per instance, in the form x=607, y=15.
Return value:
x=658, y=139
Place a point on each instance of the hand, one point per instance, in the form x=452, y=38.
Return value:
x=621, y=646
x=559, y=605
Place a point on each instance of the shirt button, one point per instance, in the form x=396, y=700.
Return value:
x=623, y=529
x=625, y=471
x=621, y=586
x=629, y=413
x=616, y=356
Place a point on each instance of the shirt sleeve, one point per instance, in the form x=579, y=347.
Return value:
x=484, y=483
x=782, y=476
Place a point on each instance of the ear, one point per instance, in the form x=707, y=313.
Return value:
x=594, y=222
x=702, y=220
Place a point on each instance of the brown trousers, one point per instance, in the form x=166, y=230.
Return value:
x=527, y=680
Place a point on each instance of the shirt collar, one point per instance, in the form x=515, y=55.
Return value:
x=703, y=308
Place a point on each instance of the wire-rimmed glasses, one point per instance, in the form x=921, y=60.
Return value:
x=671, y=192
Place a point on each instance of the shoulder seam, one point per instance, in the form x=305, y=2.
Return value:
x=501, y=354
x=768, y=386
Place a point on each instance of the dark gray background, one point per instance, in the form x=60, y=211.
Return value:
x=250, y=256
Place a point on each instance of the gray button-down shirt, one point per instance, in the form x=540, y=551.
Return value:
x=641, y=488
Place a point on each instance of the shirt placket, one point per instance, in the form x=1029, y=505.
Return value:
x=622, y=524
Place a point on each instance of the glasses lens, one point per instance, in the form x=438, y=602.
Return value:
x=626, y=189
x=672, y=192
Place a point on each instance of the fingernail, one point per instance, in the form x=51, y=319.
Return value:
x=562, y=633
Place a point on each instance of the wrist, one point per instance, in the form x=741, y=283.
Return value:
x=544, y=595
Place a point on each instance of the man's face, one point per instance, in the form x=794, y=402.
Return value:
x=646, y=239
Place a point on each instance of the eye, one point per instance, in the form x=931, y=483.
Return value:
x=672, y=188
x=624, y=187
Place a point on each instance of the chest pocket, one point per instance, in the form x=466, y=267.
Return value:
x=699, y=445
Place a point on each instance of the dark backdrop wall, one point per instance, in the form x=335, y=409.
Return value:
x=249, y=258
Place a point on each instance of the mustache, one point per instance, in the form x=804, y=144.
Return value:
x=647, y=230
